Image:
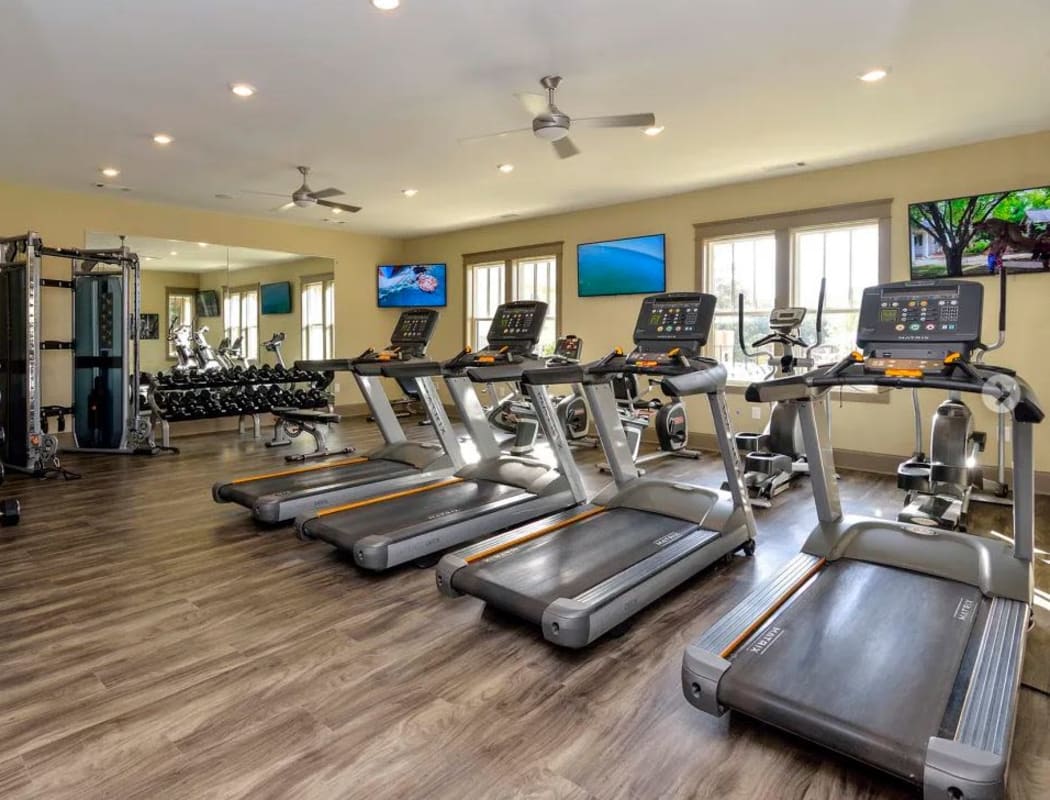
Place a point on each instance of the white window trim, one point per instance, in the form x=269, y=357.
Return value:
x=327, y=282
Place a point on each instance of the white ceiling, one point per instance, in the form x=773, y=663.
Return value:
x=376, y=102
x=171, y=255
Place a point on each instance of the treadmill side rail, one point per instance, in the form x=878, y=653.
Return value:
x=975, y=761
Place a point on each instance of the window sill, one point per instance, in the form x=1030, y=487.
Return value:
x=836, y=395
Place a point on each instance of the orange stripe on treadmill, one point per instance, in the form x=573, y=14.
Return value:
x=528, y=537
x=754, y=626
x=301, y=470
x=384, y=497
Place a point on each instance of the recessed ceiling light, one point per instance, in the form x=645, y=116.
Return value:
x=874, y=75
x=410, y=192
x=173, y=253
x=506, y=169
x=110, y=172
x=221, y=196
x=386, y=5
x=654, y=130
x=163, y=138
x=242, y=89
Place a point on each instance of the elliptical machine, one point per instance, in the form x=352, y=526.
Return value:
x=775, y=458
x=273, y=345
x=939, y=489
x=203, y=352
x=179, y=336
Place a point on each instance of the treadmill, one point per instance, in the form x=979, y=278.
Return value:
x=497, y=492
x=580, y=573
x=896, y=644
x=278, y=496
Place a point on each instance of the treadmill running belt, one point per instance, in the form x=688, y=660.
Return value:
x=567, y=562
x=863, y=662
x=411, y=515
x=316, y=481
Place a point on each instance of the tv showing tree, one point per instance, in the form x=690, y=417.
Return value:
x=981, y=234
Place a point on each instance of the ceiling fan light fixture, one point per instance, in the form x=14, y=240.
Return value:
x=654, y=130
x=506, y=169
x=303, y=202
x=874, y=75
x=410, y=192
x=242, y=89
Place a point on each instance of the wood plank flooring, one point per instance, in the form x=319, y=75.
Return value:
x=155, y=644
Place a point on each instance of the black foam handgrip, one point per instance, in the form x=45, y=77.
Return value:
x=707, y=381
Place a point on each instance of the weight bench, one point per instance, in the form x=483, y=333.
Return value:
x=290, y=423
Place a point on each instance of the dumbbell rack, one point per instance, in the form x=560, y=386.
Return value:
x=158, y=396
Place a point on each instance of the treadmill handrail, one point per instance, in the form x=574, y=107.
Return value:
x=411, y=369
x=554, y=375
x=1011, y=390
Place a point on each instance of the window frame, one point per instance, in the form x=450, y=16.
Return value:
x=784, y=227
x=327, y=282
x=181, y=292
x=509, y=258
x=228, y=293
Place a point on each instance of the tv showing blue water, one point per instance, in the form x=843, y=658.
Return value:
x=275, y=298
x=412, y=285
x=622, y=266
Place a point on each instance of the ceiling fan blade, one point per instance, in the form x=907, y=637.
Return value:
x=534, y=103
x=265, y=194
x=565, y=148
x=469, y=139
x=331, y=191
x=285, y=207
x=340, y=206
x=617, y=121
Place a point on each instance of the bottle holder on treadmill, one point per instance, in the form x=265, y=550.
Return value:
x=914, y=476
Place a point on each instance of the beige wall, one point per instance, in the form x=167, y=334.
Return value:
x=64, y=218
x=605, y=322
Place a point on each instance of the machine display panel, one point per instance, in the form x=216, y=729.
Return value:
x=681, y=317
x=922, y=312
x=415, y=326
x=517, y=322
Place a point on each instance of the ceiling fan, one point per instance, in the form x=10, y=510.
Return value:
x=304, y=196
x=552, y=124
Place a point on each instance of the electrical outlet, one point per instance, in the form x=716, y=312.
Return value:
x=335, y=388
x=756, y=413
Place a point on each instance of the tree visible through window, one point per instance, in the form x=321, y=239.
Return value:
x=494, y=281
x=318, y=310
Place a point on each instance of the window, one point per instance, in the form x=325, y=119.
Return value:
x=741, y=265
x=241, y=312
x=181, y=307
x=847, y=256
x=520, y=274
x=779, y=260
x=318, y=317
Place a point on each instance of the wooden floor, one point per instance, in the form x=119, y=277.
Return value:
x=155, y=644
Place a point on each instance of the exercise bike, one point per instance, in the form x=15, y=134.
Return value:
x=939, y=488
x=639, y=412
x=273, y=345
x=776, y=458
x=179, y=336
x=203, y=352
x=230, y=355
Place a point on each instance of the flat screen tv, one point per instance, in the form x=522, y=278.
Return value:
x=208, y=303
x=275, y=298
x=412, y=285
x=636, y=265
x=977, y=235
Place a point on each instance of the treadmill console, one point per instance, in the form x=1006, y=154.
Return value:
x=676, y=320
x=920, y=320
x=414, y=330
x=517, y=326
x=412, y=334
